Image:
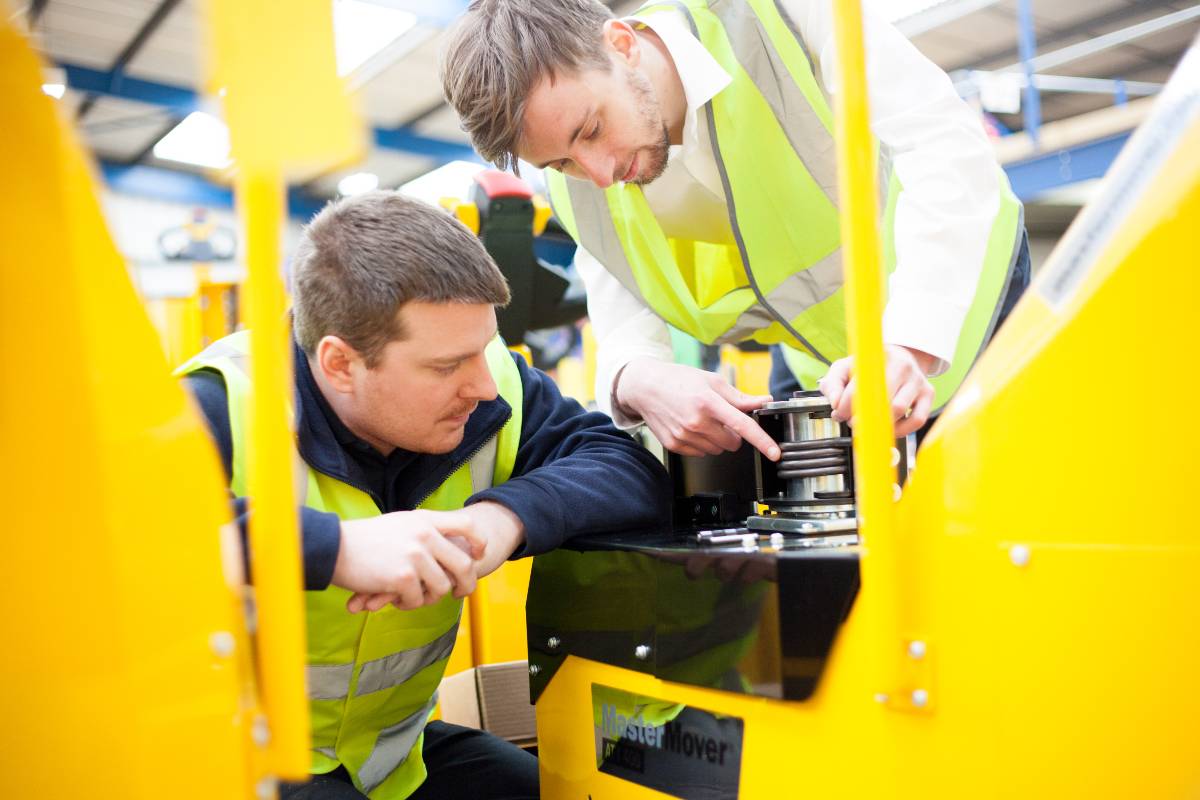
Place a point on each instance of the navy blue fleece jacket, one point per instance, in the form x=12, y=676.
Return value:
x=575, y=472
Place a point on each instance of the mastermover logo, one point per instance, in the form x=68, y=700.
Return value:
x=626, y=738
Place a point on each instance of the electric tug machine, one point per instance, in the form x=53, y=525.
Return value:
x=1034, y=630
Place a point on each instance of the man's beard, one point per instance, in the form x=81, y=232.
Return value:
x=656, y=162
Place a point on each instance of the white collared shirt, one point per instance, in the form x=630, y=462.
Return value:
x=939, y=152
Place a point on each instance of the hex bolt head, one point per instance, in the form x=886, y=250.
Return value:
x=222, y=643
x=553, y=642
x=534, y=669
x=266, y=788
x=916, y=649
x=1018, y=554
x=642, y=652
x=920, y=698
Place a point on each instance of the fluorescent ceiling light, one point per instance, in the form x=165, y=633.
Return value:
x=55, y=90
x=363, y=29
x=201, y=139
x=358, y=183
x=449, y=180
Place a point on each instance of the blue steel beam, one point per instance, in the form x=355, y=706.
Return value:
x=174, y=186
x=1083, y=162
x=184, y=100
x=1027, y=44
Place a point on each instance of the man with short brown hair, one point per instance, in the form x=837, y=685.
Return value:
x=689, y=150
x=431, y=454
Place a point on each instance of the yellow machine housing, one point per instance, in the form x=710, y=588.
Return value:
x=1048, y=629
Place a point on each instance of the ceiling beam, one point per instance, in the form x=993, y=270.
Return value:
x=183, y=101
x=132, y=49
x=36, y=9
x=1107, y=41
x=1047, y=38
x=189, y=188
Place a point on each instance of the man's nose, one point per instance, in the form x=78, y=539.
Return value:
x=479, y=386
x=597, y=167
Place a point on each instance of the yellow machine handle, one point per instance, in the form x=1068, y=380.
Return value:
x=857, y=182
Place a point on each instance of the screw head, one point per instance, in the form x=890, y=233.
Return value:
x=881, y=697
x=1018, y=554
x=266, y=788
x=920, y=698
x=260, y=732
x=916, y=649
x=222, y=643
x=553, y=642
x=642, y=652
x=897, y=492
x=534, y=669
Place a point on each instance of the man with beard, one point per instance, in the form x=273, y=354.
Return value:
x=428, y=454
x=689, y=150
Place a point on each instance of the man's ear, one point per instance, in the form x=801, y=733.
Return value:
x=618, y=35
x=335, y=358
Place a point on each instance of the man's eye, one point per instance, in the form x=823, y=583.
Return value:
x=594, y=132
x=446, y=370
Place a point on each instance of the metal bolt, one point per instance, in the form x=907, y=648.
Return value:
x=897, y=492
x=266, y=788
x=553, y=642
x=749, y=541
x=222, y=643
x=534, y=669
x=1019, y=554
x=895, y=457
x=776, y=540
x=642, y=652
x=260, y=732
x=881, y=697
x=916, y=649
x=920, y=698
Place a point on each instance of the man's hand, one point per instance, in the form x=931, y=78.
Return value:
x=692, y=412
x=406, y=558
x=910, y=390
x=500, y=530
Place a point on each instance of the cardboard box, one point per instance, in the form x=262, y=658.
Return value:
x=494, y=698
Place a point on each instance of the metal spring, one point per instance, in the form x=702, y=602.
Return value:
x=814, y=458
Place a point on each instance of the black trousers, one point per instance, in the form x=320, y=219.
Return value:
x=462, y=763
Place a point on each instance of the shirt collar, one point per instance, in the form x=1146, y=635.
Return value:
x=702, y=77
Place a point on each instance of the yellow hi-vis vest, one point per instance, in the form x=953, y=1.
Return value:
x=772, y=138
x=373, y=676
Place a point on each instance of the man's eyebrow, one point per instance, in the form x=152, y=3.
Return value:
x=574, y=135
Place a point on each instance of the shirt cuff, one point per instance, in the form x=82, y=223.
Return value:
x=322, y=538
x=924, y=322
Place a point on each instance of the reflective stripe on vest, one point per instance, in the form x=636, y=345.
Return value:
x=372, y=677
x=771, y=135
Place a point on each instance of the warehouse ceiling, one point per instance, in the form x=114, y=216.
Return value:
x=122, y=54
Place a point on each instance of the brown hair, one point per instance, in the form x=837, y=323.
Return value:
x=363, y=257
x=500, y=49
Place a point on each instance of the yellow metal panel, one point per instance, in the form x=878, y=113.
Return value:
x=1049, y=559
x=179, y=326
x=498, y=614
x=125, y=668
x=287, y=109
x=749, y=371
x=875, y=475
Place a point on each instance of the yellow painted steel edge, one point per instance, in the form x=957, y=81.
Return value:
x=875, y=475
